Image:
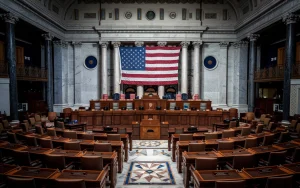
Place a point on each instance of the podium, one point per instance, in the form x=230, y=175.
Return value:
x=150, y=129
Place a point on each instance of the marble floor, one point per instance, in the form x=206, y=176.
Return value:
x=143, y=154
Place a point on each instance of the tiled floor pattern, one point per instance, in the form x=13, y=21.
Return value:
x=150, y=155
x=149, y=144
x=149, y=173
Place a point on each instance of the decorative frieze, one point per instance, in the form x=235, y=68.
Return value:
x=224, y=44
x=9, y=17
x=139, y=43
x=161, y=44
x=150, y=1
x=240, y=44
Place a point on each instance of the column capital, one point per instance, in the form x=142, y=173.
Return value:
x=185, y=44
x=240, y=44
x=291, y=18
x=60, y=43
x=47, y=36
x=253, y=37
x=103, y=44
x=224, y=44
x=197, y=43
x=76, y=43
x=116, y=44
x=9, y=17
x=139, y=43
x=161, y=43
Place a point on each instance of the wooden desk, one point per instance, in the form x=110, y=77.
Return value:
x=76, y=125
x=189, y=159
x=265, y=172
x=294, y=167
x=219, y=125
x=209, y=177
x=41, y=175
x=92, y=178
x=6, y=168
x=150, y=129
x=109, y=158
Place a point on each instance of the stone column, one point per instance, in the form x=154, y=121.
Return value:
x=139, y=88
x=161, y=89
x=252, y=64
x=104, y=70
x=71, y=75
x=10, y=49
x=60, y=75
x=116, y=60
x=290, y=58
x=43, y=67
x=223, y=63
x=184, y=67
x=240, y=76
x=48, y=55
x=78, y=76
x=196, y=68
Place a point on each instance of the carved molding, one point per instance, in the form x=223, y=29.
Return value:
x=60, y=43
x=241, y=44
x=161, y=44
x=148, y=1
x=185, y=44
x=291, y=18
x=47, y=36
x=103, y=44
x=139, y=43
x=253, y=37
x=76, y=43
x=9, y=17
x=224, y=44
x=197, y=44
x=116, y=44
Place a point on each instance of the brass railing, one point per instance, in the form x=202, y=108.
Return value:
x=275, y=73
x=25, y=73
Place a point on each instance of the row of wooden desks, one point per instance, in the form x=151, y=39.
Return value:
x=109, y=158
x=87, y=144
x=211, y=143
x=189, y=158
x=44, y=177
x=207, y=178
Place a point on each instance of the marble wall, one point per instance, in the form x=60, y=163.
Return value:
x=4, y=93
x=295, y=97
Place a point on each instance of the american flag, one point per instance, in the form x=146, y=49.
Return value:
x=149, y=65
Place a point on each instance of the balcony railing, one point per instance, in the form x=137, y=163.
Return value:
x=275, y=73
x=26, y=73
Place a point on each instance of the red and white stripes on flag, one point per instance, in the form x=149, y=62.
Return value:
x=160, y=65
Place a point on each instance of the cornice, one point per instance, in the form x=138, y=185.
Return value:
x=146, y=1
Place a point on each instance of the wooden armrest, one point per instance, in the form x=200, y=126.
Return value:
x=71, y=164
x=192, y=168
x=106, y=167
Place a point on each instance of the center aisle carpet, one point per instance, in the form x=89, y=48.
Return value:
x=149, y=173
x=149, y=144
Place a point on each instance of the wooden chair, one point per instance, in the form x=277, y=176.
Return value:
x=282, y=181
x=52, y=116
x=20, y=182
x=211, y=136
x=259, y=128
x=31, y=141
x=115, y=137
x=88, y=136
x=57, y=161
x=91, y=163
x=37, y=118
x=196, y=147
x=206, y=163
x=39, y=130
x=275, y=158
x=70, y=134
x=72, y=146
x=185, y=137
x=46, y=143
x=22, y=158
x=243, y=161
x=251, y=142
x=248, y=117
x=228, y=133
x=225, y=145
x=103, y=147
x=268, y=140
x=51, y=132
x=245, y=131
x=60, y=124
